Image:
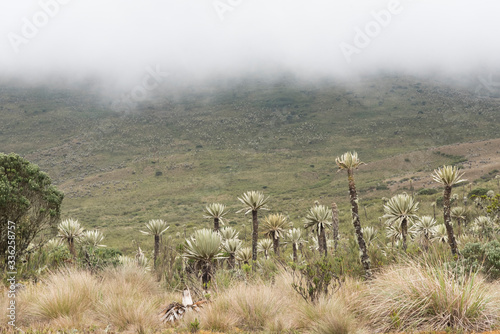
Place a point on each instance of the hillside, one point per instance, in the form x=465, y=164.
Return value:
x=191, y=146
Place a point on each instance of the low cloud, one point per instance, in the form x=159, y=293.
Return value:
x=115, y=42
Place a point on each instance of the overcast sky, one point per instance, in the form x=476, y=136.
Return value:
x=120, y=39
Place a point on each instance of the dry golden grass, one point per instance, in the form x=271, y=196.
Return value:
x=274, y=308
x=64, y=299
x=417, y=296
x=130, y=299
x=253, y=307
x=124, y=299
x=406, y=298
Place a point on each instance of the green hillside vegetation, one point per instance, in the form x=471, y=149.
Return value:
x=170, y=195
x=186, y=148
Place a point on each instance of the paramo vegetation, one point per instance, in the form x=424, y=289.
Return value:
x=432, y=271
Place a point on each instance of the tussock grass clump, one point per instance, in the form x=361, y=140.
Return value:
x=423, y=296
x=131, y=277
x=131, y=299
x=331, y=314
x=66, y=296
x=127, y=298
x=275, y=308
x=250, y=307
x=218, y=316
x=257, y=307
x=328, y=315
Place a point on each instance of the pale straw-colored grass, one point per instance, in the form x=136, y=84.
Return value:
x=67, y=297
x=131, y=298
x=420, y=296
x=274, y=308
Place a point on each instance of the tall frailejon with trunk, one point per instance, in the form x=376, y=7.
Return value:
x=319, y=219
x=294, y=236
x=253, y=202
x=274, y=227
x=335, y=225
x=448, y=176
x=216, y=211
x=156, y=227
x=350, y=161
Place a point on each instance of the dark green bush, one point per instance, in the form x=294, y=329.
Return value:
x=439, y=202
x=487, y=256
x=478, y=192
x=96, y=259
x=428, y=191
x=315, y=278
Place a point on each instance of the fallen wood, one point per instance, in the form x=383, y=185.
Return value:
x=175, y=311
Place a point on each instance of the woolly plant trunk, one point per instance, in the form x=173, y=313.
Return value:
x=365, y=260
x=447, y=221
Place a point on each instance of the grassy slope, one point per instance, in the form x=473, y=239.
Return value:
x=213, y=144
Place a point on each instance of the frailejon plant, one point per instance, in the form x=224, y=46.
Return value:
x=204, y=247
x=90, y=241
x=253, y=202
x=424, y=230
x=448, y=176
x=459, y=214
x=370, y=235
x=335, y=225
x=69, y=230
x=156, y=227
x=231, y=246
x=294, y=236
x=243, y=255
x=274, y=227
x=264, y=246
x=350, y=161
x=216, y=211
x=319, y=218
x=228, y=232
x=483, y=227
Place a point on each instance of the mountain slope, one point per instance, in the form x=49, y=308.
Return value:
x=185, y=148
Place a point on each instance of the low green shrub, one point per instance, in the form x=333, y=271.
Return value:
x=478, y=192
x=315, y=278
x=427, y=191
x=483, y=256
